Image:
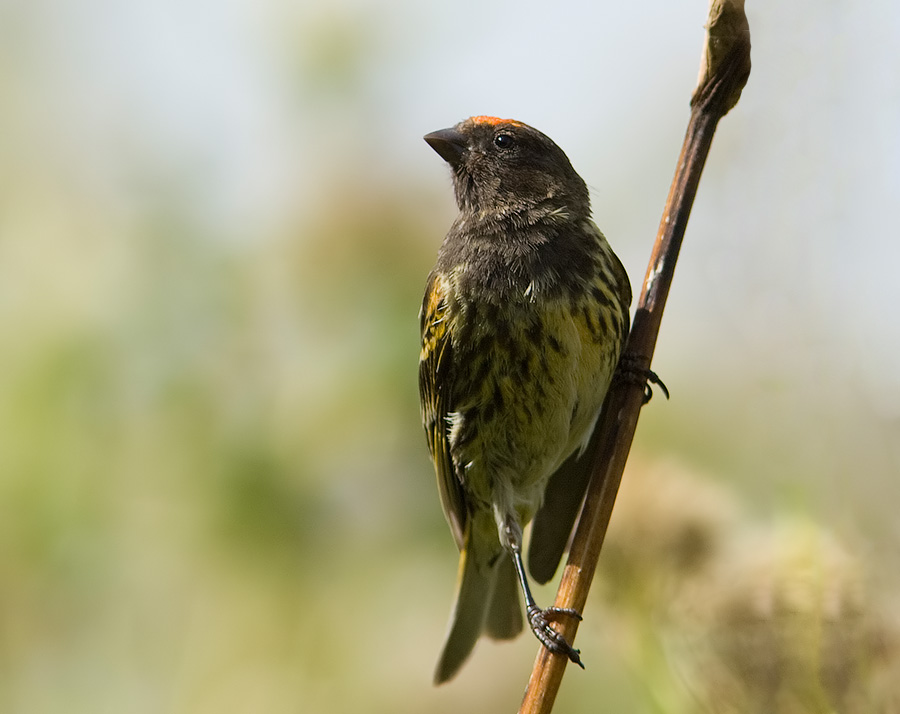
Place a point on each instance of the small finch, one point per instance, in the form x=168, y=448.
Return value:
x=524, y=317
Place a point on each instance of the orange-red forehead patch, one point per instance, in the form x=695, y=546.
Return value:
x=493, y=121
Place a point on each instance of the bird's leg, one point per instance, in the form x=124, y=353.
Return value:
x=540, y=619
x=632, y=368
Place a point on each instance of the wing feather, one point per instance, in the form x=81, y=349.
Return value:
x=435, y=388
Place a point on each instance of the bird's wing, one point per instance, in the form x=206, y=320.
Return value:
x=435, y=384
x=553, y=523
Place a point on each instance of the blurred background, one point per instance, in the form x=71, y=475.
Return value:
x=216, y=219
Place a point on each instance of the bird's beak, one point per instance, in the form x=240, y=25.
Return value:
x=449, y=143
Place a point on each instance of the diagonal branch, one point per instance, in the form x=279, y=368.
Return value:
x=724, y=70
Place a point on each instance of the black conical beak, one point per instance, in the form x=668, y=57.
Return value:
x=449, y=143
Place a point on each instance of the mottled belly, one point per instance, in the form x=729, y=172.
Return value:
x=535, y=385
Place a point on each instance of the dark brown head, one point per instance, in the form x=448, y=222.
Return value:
x=504, y=166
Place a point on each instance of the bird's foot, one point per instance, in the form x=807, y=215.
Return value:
x=551, y=639
x=632, y=369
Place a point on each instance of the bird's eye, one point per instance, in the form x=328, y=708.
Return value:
x=503, y=141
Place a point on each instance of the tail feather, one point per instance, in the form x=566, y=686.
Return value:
x=475, y=583
x=504, y=616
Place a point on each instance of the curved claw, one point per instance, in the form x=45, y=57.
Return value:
x=631, y=369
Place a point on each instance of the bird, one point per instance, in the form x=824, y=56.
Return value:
x=523, y=320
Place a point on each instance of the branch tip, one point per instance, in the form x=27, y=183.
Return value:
x=725, y=63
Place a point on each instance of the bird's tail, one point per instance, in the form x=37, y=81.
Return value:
x=487, y=600
x=504, y=615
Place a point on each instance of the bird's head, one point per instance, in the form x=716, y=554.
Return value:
x=503, y=166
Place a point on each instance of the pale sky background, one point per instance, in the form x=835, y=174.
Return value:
x=796, y=206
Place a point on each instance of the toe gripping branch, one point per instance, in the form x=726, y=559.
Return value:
x=540, y=620
x=632, y=369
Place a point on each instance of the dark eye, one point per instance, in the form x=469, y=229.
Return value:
x=503, y=141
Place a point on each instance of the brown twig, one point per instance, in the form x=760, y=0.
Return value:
x=724, y=70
